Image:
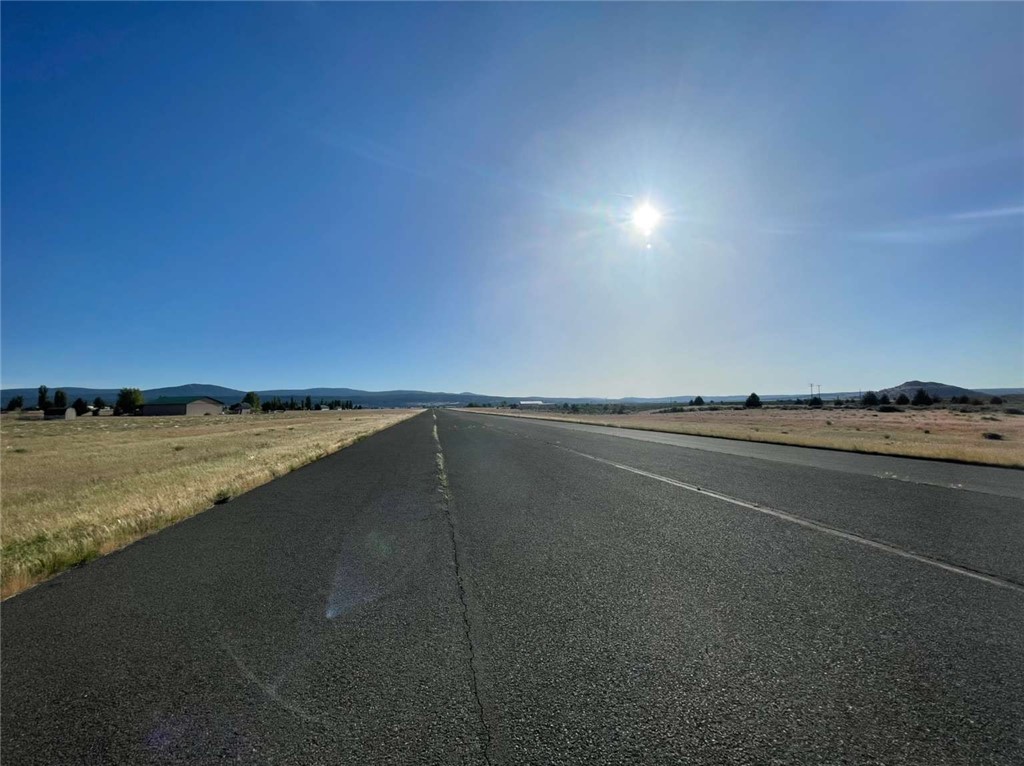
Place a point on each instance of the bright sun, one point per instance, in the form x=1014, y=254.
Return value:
x=646, y=218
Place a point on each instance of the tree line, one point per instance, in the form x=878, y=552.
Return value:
x=130, y=400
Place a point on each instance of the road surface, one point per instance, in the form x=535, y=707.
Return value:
x=465, y=588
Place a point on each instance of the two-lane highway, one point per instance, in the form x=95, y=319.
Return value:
x=472, y=589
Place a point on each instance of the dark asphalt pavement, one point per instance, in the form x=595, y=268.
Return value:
x=547, y=595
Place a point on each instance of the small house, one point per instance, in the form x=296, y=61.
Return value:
x=242, y=408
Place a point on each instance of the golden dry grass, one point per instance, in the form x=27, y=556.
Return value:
x=74, y=490
x=930, y=433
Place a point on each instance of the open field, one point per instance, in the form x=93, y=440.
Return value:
x=74, y=490
x=932, y=432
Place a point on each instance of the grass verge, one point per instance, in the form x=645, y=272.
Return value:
x=71, y=491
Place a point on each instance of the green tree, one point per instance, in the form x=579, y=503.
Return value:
x=309, y=403
x=80, y=406
x=43, y=401
x=16, y=403
x=902, y=399
x=884, y=399
x=60, y=399
x=753, y=401
x=870, y=399
x=698, y=402
x=814, y=401
x=252, y=399
x=128, y=401
x=993, y=400
x=98, y=403
x=921, y=398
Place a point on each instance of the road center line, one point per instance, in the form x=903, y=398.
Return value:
x=818, y=527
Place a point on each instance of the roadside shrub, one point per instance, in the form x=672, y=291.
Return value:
x=921, y=398
x=996, y=400
x=888, y=408
x=1014, y=411
x=992, y=435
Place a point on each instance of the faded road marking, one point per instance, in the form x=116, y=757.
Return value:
x=818, y=527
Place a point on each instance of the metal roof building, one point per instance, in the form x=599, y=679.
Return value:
x=183, y=405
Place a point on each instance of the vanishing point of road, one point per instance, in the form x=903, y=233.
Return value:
x=466, y=588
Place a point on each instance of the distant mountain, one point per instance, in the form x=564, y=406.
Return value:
x=414, y=398
x=109, y=395
x=942, y=390
x=73, y=392
x=227, y=395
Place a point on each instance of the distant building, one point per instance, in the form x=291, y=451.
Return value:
x=242, y=408
x=531, y=403
x=183, y=405
x=60, y=413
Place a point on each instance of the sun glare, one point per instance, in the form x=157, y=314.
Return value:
x=646, y=218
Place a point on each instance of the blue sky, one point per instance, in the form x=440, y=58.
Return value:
x=432, y=196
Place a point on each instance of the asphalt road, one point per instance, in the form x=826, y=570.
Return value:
x=475, y=589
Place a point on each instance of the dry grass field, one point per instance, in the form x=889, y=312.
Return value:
x=73, y=490
x=926, y=432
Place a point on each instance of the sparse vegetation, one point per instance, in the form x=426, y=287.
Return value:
x=931, y=433
x=91, y=485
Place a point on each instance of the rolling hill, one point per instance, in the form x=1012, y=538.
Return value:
x=414, y=398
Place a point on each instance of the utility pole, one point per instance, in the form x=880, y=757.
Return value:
x=812, y=388
x=819, y=390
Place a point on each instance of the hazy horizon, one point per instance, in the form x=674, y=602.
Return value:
x=531, y=392
x=386, y=194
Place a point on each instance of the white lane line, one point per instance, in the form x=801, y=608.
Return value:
x=850, y=536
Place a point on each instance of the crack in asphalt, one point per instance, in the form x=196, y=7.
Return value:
x=446, y=498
